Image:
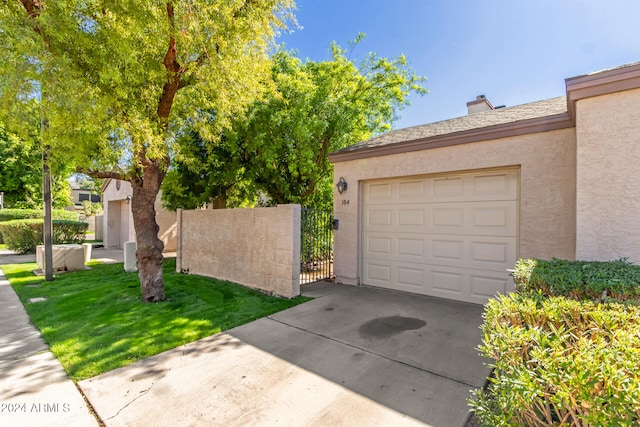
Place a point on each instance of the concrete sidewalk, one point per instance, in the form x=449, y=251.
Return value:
x=35, y=388
x=107, y=256
x=353, y=356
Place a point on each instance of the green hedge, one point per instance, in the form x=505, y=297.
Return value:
x=599, y=281
x=565, y=346
x=69, y=231
x=13, y=214
x=24, y=235
x=560, y=361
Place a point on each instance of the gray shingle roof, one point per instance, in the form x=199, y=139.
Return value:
x=533, y=110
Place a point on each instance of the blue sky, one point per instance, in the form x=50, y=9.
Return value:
x=512, y=51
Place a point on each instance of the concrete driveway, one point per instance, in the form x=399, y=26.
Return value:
x=354, y=356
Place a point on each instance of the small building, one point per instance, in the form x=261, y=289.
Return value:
x=118, y=219
x=446, y=208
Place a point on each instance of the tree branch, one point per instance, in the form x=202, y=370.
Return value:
x=33, y=8
x=242, y=8
x=173, y=67
x=100, y=174
x=324, y=146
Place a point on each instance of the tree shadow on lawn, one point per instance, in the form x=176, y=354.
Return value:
x=94, y=321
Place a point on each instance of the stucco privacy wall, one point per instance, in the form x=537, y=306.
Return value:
x=168, y=227
x=547, y=190
x=608, y=177
x=259, y=248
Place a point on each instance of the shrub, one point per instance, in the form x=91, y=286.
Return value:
x=24, y=235
x=598, y=281
x=90, y=208
x=69, y=231
x=559, y=361
x=15, y=214
x=63, y=214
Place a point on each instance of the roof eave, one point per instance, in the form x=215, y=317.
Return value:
x=105, y=184
x=601, y=83
x=505, y=130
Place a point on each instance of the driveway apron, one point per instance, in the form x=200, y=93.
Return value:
x=352, y=356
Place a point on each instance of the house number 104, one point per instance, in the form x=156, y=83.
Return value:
x=345, y=202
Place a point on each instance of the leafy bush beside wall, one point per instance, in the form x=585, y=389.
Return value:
x=599, y=281
x=565, y=346
x=13, y=214
x=69, y=231
x=24, y=235
x=560, y=361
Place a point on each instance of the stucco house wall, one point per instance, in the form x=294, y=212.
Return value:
x=117, y=218
x=547, y=190
x=608, y=178
x=118, y=225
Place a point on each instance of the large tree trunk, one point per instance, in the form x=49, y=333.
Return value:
x=150, y=247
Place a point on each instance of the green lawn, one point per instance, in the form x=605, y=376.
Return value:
x=94, y=321
x=3, y=246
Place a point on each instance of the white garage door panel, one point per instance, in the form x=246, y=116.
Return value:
x=411, y=277
x=441, y=281
x=379, y=218
x=477, y=218
x=489, y=253
x=467, y=284
x=478, y=187
x=484, y=286
x=448, y=283
x=379, y=274
x=380, y=192
x=493, y=218
x=478, y=252
x=449, y=236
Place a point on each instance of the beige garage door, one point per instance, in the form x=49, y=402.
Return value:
x=451, y=236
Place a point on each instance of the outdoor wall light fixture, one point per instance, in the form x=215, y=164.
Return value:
x=342, y=185
x=127, y=199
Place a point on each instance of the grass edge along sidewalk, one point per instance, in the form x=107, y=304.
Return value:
x=94, y=321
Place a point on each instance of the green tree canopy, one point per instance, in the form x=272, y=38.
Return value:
x=115, y=82
x=21, y=173
x=206, y=175
x=281, y=146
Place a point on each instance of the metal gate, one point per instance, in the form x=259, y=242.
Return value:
x=316, y=245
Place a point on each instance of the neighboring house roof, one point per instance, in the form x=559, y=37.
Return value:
x=500, y=116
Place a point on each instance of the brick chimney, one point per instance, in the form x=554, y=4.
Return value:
x=481, y=103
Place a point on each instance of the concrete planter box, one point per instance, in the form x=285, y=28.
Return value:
x=69, y=257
